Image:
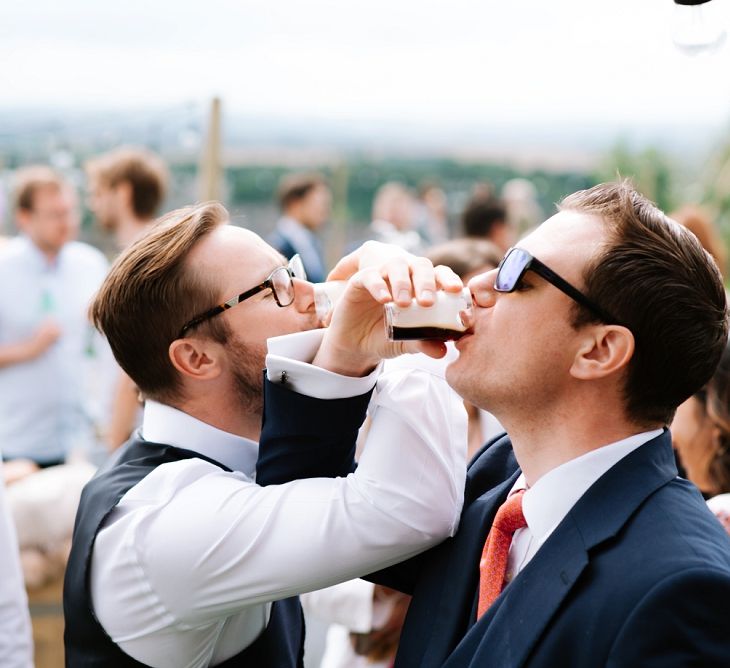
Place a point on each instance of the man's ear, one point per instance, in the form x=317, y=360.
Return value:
x=195, y=358
x=605, y=350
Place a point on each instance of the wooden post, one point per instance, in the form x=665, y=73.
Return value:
x=211, y=168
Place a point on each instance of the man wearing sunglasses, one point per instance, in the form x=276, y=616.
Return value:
x=578, y=544
x=179, y=558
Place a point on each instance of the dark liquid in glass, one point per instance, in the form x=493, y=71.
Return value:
x=426, y=334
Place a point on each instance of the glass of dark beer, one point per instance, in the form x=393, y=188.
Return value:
x=440, y=322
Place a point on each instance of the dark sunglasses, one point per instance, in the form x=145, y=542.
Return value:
x=518, y=261
x=279, y=282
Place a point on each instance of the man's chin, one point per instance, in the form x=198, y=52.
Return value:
x=453, y=374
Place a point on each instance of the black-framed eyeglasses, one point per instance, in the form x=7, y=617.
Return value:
x=278, y=281
x=518, y=261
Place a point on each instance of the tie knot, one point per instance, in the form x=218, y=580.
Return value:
x=509, y=517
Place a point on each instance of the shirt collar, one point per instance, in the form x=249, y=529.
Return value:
x=550, y=499
x=37, y=257
x=168, y=425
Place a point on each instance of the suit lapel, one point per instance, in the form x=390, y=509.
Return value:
x=512, y=626
x=458, y=573
x=510, y=629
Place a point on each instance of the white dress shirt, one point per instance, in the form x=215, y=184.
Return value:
x=48, y=406
x=551, y=498
x=185, y=568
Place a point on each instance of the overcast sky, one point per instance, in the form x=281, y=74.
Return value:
x=445, y=61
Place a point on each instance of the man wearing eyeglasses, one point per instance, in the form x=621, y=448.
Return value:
x=179, y=558
x=578, y=544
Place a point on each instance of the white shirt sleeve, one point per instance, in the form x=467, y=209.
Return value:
x=191, y=545
x=16, y=646
x=288, y=362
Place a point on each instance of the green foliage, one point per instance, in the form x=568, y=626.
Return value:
x=651, y=170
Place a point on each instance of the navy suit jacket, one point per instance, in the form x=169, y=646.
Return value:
x=637, y=574
x=286, y=246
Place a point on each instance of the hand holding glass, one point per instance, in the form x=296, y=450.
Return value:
x=440, y=322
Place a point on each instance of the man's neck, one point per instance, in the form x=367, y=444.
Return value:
x=541, y=446
x=233, y=420
x=129, y=229
x=49, y=254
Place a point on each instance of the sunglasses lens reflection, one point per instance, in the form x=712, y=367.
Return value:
x=511, y=270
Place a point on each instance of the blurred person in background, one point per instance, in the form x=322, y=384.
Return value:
x=56, y=372
x=467, y=257
x=365, y=622
x=699, y=222
x=47, y=343
x=523, y=209
x=432, y=220
x=486, y=218
x=393, y=217
x=305, y=201
x=701, y=436
x=127, y=187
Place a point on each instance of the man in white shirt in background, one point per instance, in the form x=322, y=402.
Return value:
x=48, y=348
x=56, y=371
x=179, y=558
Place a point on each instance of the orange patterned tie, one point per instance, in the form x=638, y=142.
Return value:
x=493, y=565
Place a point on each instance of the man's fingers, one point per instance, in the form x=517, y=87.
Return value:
x=398, y=274
x=370, y=254
x=372, y=280
x=424, y=280
x=447, y=279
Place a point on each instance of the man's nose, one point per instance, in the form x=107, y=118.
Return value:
x=482, y=289
x=303, y=295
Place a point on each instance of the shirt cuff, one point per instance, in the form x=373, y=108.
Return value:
x=289, y=361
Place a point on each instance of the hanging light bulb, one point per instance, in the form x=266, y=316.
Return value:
x=695, y=28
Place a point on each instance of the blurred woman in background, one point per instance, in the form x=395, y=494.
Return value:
x=701, y=436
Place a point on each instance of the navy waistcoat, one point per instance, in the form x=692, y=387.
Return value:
x=281, y=645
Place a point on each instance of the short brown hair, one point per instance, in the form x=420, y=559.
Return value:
x=482, y=215
x=142, y=169
x=294, y=187
x=655, y=278
x=151, y=291
x=29, y=180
